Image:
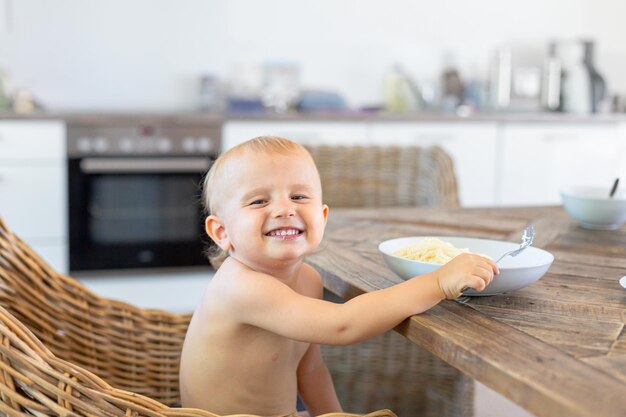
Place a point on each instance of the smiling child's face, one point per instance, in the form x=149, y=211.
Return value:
x=270, y=208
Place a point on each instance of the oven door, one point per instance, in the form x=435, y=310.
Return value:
x=136, y=212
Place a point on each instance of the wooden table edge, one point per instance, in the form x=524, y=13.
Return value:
x=535, y=393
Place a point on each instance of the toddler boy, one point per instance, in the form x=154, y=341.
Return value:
x=253, y=343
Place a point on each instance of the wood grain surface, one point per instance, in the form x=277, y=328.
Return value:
x=556, y=347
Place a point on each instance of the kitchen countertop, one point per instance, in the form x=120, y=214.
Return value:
x=435, y=117
x=118, y=117
x=347, y=116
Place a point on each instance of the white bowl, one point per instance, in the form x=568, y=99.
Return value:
x=592, y=208
x=515, y=272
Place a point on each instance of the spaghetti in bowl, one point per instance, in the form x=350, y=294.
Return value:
x=428, y=255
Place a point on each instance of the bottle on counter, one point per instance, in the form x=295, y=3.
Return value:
x=474, y=91
x=452, y=90
x=5, y=94
x=211, y=99
x=400, y=92
x=281, y=86
x=23, y=102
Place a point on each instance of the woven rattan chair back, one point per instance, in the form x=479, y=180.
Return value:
x=377, y=176
x=65, y=351
x=387, y=370
x=34, y=382
x=131, y=348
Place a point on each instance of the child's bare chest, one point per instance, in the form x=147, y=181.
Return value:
x=276, y=350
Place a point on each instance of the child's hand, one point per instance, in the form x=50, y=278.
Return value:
x=465, y=271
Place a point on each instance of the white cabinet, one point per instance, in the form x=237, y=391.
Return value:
x=30, y=201
x=537, y=160
x=32, y=140
x=308, y=133
x=33, y=178
x=496, y=162
x=472, y=146
x=175, y=290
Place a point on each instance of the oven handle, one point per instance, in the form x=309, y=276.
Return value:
x=152, y=165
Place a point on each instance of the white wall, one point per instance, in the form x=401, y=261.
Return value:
x=148, y=54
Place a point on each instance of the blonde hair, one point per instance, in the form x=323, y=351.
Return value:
x=265, y=144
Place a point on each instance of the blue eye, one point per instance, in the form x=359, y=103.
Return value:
x=257, y=202
x=298, y=197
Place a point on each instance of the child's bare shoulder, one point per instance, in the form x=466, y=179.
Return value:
x=312, y=281
x=234, y=277
x=233, y=291
x=237, y=282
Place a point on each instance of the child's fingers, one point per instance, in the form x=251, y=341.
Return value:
x=483, y=267
x=484, y=280
x=477, y=283
x=491, y=266
x=483, y=275
x=494, y=266
x=486, y=267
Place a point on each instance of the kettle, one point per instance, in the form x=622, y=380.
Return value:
x=582, y=87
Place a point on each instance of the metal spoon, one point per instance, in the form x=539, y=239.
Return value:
x=528, y=235
x=614, y=188
x=527, y=239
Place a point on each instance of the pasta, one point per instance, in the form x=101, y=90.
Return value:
x=431, y=250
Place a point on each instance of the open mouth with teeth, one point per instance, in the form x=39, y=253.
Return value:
x=284, y=233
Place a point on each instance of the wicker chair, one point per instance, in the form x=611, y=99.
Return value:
x=390, y=176
x=388, y=371
x=65, y=351
x=34, y=382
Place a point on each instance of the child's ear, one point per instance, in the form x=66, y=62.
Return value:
x=217, y=231
x=325, y=212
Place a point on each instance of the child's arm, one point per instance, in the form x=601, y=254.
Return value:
x=315, y=384
x=264, y=302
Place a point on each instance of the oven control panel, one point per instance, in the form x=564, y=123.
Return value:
x=143, y=139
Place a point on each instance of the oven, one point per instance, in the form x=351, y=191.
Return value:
x=135, y=193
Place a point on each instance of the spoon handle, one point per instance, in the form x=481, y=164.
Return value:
x=614, y=188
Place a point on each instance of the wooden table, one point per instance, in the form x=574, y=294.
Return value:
x=556, y=348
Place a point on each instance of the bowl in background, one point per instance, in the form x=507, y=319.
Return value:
x=592, y=207
x=515, y=272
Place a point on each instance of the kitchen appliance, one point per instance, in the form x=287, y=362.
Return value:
x=134, y=191
x=582, y=87
x=523, y=78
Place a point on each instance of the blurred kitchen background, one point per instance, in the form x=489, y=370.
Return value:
x=495, y=83
x=150, y=55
